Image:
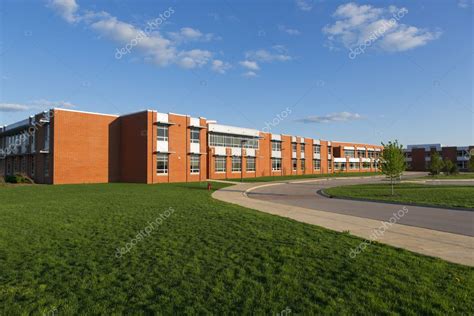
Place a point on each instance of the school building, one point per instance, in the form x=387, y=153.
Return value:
x=62, y=146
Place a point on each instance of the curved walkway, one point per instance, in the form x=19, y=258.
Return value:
x=299, y=205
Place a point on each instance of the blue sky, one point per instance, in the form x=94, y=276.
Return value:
x=245, y=62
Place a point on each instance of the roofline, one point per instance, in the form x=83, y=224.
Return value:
x=84, y=112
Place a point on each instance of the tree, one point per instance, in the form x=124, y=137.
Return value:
x=471, y=162
x=448, y=166
x=436, y=164
x=392, y=161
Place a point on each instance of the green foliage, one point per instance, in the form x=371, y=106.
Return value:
x=471, y=162
x=436, y=164
x=393, y=161
x=18, y=178
x=58, y=245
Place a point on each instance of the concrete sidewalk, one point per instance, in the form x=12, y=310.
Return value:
x=447, y=246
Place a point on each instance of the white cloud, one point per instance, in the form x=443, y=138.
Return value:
x=358, y=24
x=65, y=8
x=263, y=55
x=13, y=107
x=464, y=4
x=288, y=30
x=304, y=5
x=250, y=74
x=220, y=66
x=252, y=65
x=188, y=34
x=37, y=104
x=332, y=117
x=149, y=42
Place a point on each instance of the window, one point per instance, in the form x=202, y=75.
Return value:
x=376, y=164
x=330, y=150
x=32, y=166
x=350, y=153
x=250, y=164
x=162, y=133
x=294, y=162
x=220, y=164
x=293, y=147
x=317, y=164
x=276, y=164
x=371, y=154
x=329, y=164
x=46, y=166
x=195, y=163
x=33, y=141
x=236, y=164
x=9, y=168
x=162, y=163
x=408, y=154
x=194, y=135
x=46, y=137
x=302, y=164
x=23, y=164
x=409, y=165
x=317, y=149
x=461, y=164
x=353, y=165
x=366, y=165
x=276, y=146
x=302, y=147
x=462, y=154
x=341, y=166
x=225, y=140
x=361, y=153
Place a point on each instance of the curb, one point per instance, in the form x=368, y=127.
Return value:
x=453, y=208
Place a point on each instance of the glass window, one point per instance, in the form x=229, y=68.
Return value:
x=220, y=164
x=317, y=164
x=317, y=149
x=195, y=163
x=366, y=165
x=303, y=164
x=354, y=165
x=162, y=163
x=46, y=166
x=330, y=150
x=222, y=140
x=340, y=166
x=276, y=146
x=329, y=164
x=349, y=153
x=294, y=162
x=236, y=163
x=276, y=164
x=361, y=153
x=46, y=137
x=33, y=166
x=194, y=135
x=163, y=132
x=302, y=146
x=250, y=164
x=293, y=147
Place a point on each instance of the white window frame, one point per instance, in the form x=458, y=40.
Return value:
x=294, y=164
x=250, y=164
x=165, y=128
x=317, y=164
x=195, y=163
x=276, y=164
x=192, y=134
x=276, y=145
x=220, y=160
x=317, y=149
x=236, y=164
x=164, y=159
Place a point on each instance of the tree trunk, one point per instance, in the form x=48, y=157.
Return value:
x=391, y=183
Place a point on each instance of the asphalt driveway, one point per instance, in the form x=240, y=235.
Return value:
x=304, y=194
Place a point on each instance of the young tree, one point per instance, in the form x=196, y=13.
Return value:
x=436, y=164
x=448, y=166
x=393, y=161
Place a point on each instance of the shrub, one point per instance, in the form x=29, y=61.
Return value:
x=450, y=167
x=436, y=164
x=18, y=178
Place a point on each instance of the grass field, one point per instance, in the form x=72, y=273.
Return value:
x=464, y=175
x=58, y=255
x=308, y=176
x=442, y=195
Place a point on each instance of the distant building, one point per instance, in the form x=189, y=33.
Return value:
x=418, y=157
x=63, y=146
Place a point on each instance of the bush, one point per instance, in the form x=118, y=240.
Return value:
x=436, y=164
x=18, y=178
x=450, y=167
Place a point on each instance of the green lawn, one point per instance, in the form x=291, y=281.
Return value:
x=463, y=175
x=308, y=176
x=442, y=195
x=58, y=253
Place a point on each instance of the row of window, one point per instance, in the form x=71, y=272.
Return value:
x=163, y=134
x=226, y=140
x=162, y=163
x=220, y=164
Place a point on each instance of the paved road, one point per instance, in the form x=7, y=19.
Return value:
x=305, y=195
